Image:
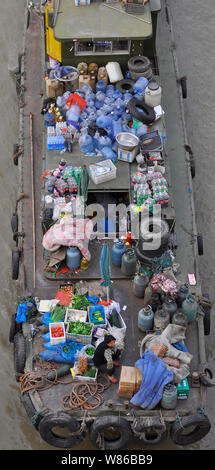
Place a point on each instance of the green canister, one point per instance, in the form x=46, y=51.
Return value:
x=190, y=308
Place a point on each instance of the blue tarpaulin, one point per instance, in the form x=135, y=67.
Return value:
x=155, y=376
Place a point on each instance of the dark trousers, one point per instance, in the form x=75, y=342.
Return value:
x=103, y=367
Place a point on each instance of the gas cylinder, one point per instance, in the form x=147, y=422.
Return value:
x=182, y=294
x=145, y=319
x=128, y=266
x=190, y=307
x=179, y=318
x=73, y=257
x=118, y=249
x=139, y=284
x=169, y=398
x=161, y=319
x=170, y=306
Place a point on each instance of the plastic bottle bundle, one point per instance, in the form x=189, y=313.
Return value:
x=138, y=178
x=119, y=106
x=108, y=154
x=86, y=142
x=99, y=101
x=127, y=97
x=110, y=90
x=141, y=193
x=104, y=121
x=101, y=86
x=73, y=114
x=117, y=127
x=140, y=85
x=104, y=141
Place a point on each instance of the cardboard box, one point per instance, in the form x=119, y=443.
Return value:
x=127, y=382
x=138, y=380
x=54, y=88
x=183, y=389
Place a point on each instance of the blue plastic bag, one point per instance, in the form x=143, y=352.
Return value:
x=155, y=376
x=21, y=312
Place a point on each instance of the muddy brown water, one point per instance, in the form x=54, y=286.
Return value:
x=194, y=32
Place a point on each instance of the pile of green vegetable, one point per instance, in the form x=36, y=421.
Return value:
x=79, y=302
x=58, y=313
x=91, y=372
x=90, y=351
x=80, y=328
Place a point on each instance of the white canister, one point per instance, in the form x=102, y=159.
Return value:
x=153, y=94
x=114, y=72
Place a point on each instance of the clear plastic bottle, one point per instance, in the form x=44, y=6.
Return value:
x=104, y=121
x=86, y=143
x=140, y=85
x=99, y=101
x=101, y=86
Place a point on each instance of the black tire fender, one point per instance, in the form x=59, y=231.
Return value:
x=61, y=420
x=19, y=353
x=15, y=262
x=147, y=116
x=121, y=425
x=139, y=64
x=200, y=426
x=125, y=86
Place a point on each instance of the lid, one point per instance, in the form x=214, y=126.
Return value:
x=153, y=85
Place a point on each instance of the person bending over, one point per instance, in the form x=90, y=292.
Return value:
x=105, y=357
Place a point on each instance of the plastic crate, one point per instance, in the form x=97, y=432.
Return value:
x=82, y=377
x=81, y=339
x=60, y=339
x=74, y=315
x=110, y=175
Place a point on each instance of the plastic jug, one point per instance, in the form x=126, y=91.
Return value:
x=190, y=307
x=114, y=72
x=145, y=319
x=49, y=119
x=128, y=266
x=109, y=91
x=140, y=85
x=104, y=121
x=108, y=154
x=139, y=285
x=117, y=127
x=101, y=86
x=118, y=250
x=73, y=257
x=73, y=114
x=104, y=141
x=99, y=101
x=153, y=94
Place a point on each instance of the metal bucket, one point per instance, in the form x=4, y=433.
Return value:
x=71, y=83
x=127, y=141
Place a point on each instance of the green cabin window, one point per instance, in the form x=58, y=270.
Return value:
x=102, y=47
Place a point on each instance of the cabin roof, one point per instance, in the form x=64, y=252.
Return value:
x=99, y=20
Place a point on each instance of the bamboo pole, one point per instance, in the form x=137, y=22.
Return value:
x=32, y=199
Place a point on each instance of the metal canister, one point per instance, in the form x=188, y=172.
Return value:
x=145, y=319
x=190, y=307
x=170, y=306
x=118, y=250
x=139, y=284
x=128, y=266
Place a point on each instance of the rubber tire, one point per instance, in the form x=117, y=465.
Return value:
x=19, y=353
x=148, y=74
x=200, y=245
x=15, y=263
x=139, y=64
x=145, y=260
x=14, y=328
x=164, y=234
x=125, y=86
x=202, y=424
x=146, y=118
x=103, y=422
x=56, y=419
